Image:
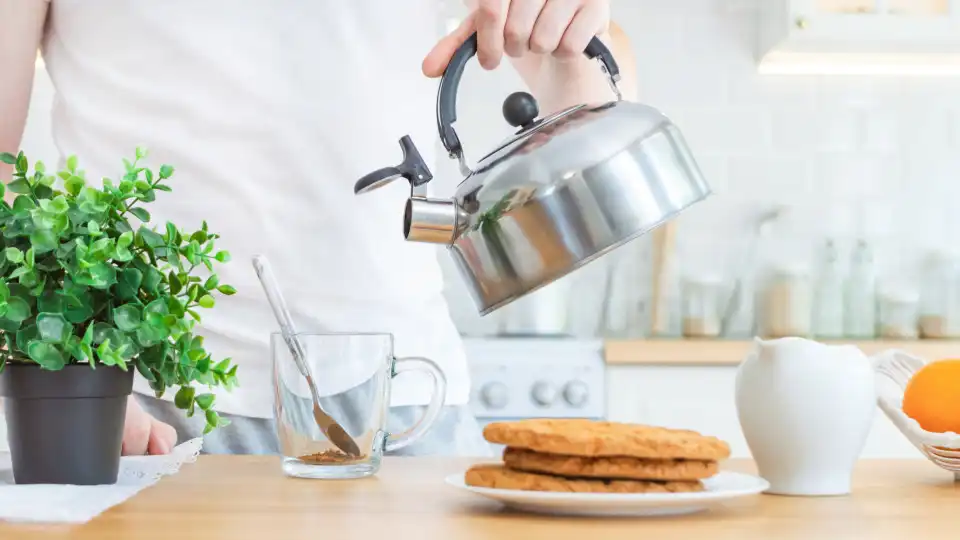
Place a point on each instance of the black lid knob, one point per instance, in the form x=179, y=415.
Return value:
x=520, y=109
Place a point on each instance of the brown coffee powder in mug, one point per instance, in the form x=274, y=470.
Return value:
x=331, y=457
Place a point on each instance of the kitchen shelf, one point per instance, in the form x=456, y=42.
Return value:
x=707, y=352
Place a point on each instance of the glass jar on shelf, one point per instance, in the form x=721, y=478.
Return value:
x=788, y=303
x=701, y=306
x=940, y=297
x=898, y=314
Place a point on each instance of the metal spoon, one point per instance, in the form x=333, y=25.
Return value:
x=327, y=424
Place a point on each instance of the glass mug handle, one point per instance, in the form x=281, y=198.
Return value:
x=430, y=415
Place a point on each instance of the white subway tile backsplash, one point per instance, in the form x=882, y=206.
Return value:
x=771, y=179
x=796, y=129
x=728, y=131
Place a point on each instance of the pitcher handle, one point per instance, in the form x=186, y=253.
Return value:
x=430, y=415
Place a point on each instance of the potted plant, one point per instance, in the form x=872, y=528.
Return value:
x=88, y=293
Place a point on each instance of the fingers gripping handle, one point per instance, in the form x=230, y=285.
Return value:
x=450, y=82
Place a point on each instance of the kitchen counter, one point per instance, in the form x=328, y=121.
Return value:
x=720, y=352
x=245, y=497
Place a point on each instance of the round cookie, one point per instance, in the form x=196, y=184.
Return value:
x=609, y=467
x=589, y=438
x=500, y=477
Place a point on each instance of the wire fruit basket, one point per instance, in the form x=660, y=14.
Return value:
x=894, y=369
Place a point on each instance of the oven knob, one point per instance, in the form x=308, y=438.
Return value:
x=494, y=395
x=576, y=393
x=543, y=394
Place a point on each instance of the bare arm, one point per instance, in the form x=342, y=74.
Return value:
x=19, y=40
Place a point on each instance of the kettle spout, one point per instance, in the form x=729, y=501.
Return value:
x=433, y=220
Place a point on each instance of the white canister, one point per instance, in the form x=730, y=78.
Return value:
x=805, y=409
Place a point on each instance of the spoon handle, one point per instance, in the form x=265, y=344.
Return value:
x=279, y=306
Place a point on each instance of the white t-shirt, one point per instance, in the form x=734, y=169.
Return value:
x=270, y=111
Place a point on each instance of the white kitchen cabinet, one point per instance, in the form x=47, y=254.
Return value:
x=702, y=398
x=919, y=37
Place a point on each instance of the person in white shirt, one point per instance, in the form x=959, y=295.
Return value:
x=270, y=111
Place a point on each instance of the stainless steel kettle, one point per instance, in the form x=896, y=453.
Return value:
x=561, y=192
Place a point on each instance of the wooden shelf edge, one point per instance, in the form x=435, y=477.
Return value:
x=667, y=352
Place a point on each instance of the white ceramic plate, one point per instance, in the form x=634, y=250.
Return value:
x=722, y=487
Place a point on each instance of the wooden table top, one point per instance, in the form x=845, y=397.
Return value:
x=247, y=497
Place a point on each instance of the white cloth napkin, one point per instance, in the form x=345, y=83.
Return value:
x=54, y=503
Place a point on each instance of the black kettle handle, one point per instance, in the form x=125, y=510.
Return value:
x=447, y=95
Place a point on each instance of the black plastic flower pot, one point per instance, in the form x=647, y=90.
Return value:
x=65, y=427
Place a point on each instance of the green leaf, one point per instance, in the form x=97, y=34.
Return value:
x=18, y=310
x=166, y=171
x=72, y=164
x=206, y=301
x=205, y=401
x=53, y=327
x=74, y=184
x=141, y=214
x=23, y=204
x=151, y=280
x=50, y=302
x=127, y=317
x=78, y=309
x=223, y=256
x=184, y=397
x=47, y=355
x=175, y=285
x=13, y=255
x=22, y=165
x=141, y=153
x=227, y=290
x=106, y=356
x=151, y=238
x=44, y=241
x=146, y=372
x=40, y=167
x=8, y=158
x=25, y=335
x=125, y=240
x=19, y=186
x=173, y=236
x=88, y=336
x=94, y=228
x=211, y=282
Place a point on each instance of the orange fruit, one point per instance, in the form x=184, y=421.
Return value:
x=932, y=396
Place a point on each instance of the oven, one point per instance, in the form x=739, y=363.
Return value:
x=536, y=377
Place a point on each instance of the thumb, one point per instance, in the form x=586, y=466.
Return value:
x=437, y=59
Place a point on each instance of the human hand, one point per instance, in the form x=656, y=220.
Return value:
x=144, y=434
x=560, y=28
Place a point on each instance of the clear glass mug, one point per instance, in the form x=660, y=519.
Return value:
x=353, y=374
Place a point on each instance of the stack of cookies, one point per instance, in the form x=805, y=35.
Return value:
x=598, y=457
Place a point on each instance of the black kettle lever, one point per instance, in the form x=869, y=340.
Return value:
x=412, y=168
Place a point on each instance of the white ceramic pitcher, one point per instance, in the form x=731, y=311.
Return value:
x=805, y=409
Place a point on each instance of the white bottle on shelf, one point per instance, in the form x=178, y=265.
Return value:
x=860, y=294
x=828, y=321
